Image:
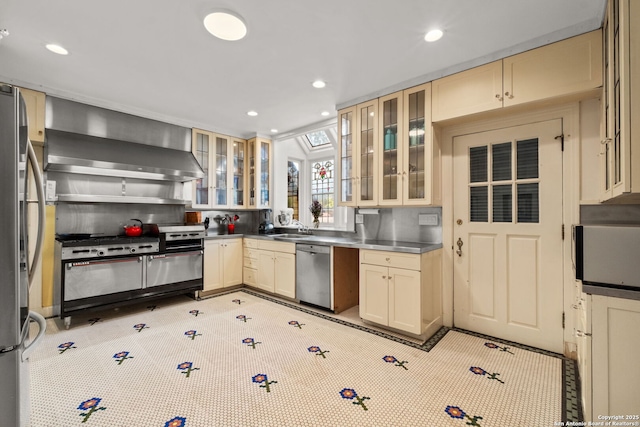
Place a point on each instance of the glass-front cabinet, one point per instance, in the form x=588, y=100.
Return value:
x=421, y=151
x=221, y=157
x=620, y=148
x=367, y=157
x=202, y=148
x=391, y=150
x=259, y=177
x=388, y=153
x=346, y=163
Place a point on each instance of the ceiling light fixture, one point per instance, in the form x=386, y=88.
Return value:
x=274, y=130
x=324, y=113
x=252, y=113
x=57, y=49
x=3, y=33
x=318, y=84
x=433, y=35
x=225, y=25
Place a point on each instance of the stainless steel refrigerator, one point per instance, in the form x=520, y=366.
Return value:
x=17, y=266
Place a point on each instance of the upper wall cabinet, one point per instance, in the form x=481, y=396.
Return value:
x=258, y=182
x=222, y=158
x=358, y=132
x=409, y=166
x=567, y=67
x=35, y=103
x=620, y=149
x=387, y=151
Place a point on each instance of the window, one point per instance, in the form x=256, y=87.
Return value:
x=317, y=138
x=322, y=189
x=293, y=184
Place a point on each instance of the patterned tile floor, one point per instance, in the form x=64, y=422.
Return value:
x=245, y=359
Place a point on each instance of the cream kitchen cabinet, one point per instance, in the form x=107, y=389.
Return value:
x=615, y=374
x=222, y=158
x=620, y=149
x=222, y=264
x=258, y=184
x=401, y=291
x=358, y=134
x=566, y=67
x=35, y=103
x=276, y=267
x=409, y=166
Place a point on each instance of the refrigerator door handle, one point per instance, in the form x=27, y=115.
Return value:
x=31, y=155
x=42, y=325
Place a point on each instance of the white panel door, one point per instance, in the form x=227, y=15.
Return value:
x=507, y=234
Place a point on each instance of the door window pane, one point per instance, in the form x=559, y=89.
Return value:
x=479, y=204
x=502, y=202
x=478, y=164
x=528, y=209
x=527, y=159
x=501, y=156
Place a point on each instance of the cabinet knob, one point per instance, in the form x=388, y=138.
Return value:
x=579, y=333
x=384, y=277
x=388, y=259
x=508, y=95
x=39, y=132
x=498, y=97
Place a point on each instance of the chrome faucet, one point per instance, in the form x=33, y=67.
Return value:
x=301, y=227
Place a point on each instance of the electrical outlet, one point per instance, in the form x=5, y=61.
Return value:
x=359, y=219
x=427, y=219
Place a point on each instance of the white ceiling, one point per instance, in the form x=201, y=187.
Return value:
x=155, y=59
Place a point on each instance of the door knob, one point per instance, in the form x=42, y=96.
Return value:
x=459, y=243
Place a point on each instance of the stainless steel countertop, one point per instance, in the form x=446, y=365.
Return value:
x=380, y=245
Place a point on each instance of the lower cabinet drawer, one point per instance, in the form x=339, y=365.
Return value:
x=251, y=262
x=391, y=259
x=249, y=276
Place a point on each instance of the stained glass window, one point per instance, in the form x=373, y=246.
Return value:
x=322, y=188
x=293, y=184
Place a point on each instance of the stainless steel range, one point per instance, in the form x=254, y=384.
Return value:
x=97, y=272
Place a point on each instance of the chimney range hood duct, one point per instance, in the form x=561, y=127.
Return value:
x=91, y=140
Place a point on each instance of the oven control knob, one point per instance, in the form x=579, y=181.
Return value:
x=133, y=250
x=100, y=253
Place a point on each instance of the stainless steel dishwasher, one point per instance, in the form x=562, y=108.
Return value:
x=313, y=275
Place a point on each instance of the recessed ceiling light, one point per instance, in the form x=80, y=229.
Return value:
x=252, y=113
x=225, y=25
x=318, y=84
x=274, y=130
x=57, y=49
x=324, y=113
x=433, y=35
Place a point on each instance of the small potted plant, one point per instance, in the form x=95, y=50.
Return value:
x=316, y=211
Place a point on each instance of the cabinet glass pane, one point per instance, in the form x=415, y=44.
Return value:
x=501, y=161
x=220, y=183
x=478, y=204
x=527, y=159
x=528, y=205
x=202, y=156
x=390, y=160
x=502, y=203
x=238, y=173
x=252, y=173
x=478, y=164
x=366, y=153
x=416, y=168
x=264, y=173
x=346, y=157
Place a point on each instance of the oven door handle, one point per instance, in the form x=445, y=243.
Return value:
x=70, y=265
x=191, y=253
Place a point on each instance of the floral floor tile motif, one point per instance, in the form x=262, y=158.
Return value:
x=107, y=373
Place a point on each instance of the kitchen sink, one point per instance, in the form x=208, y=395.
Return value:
x=291, y=236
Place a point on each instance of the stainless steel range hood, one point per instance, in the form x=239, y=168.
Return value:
x=90, y=155
x=91, y=140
